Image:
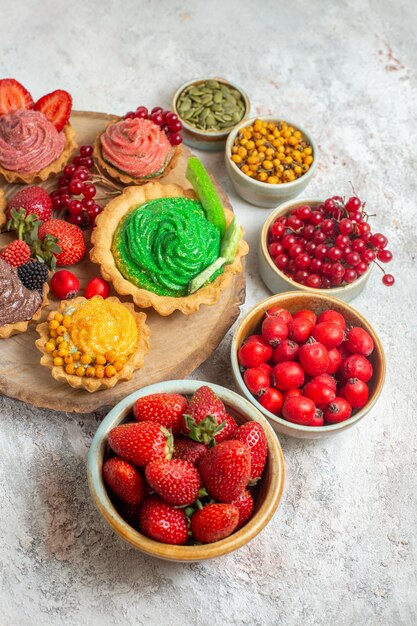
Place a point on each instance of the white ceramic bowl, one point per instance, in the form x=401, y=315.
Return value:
x=211, y=141
x=268, y=496
x=263, y=194
x=277, y=281
x=296, y=301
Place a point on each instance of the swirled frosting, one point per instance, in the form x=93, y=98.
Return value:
x=99, y=325
x=137, y=147
x=17, y=303
x=163, y=244
x=28, y=141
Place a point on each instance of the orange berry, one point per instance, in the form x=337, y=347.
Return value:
x=110, y=356
x=110, y=371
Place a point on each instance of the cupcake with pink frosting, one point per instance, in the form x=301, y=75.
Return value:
x=135, y=151
x=36, y=139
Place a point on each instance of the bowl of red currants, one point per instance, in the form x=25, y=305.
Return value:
x=316, y=245
x=312, y=364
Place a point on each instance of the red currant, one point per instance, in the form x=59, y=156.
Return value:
x=361, y=267
x=277, y=230
x=342, y=241
x=304, y=212
x=175, y=139
x=302, y=261
x=56, y=203
x=353, y=204
x=368, y=255
x=358, y=245
x=157, y=118
x=350, y=275
x=385, y=256
x=76, y=186
x=314, y=281
x=379, y=241
x=345, y=226
x=86, y=150
x=335, y=254
x=388, y=280
x=89, y=191
x=75, y=207
x=275, y=248
x=353, y=258
x=282, y=261
x=328, y=227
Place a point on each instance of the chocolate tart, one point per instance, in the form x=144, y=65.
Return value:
x=54, y=168
x=123, y=177
x=101, y=253
x=7, y=330
x=134, y=361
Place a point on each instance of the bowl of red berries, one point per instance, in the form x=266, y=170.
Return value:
x=316, y=245
x=312, y=364
x=185, y=471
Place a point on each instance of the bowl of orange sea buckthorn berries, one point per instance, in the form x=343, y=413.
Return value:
x=270, y=160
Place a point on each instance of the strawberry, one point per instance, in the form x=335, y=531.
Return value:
x=16, y=253
x=176, y=481
x=188, y=450
x=13, y=96
x=228, y=431
x=140, y=443
x=70, y=239
x=253, y=435
x=165, y=409
x=214, y=522
x=34, y=200
x=205, y=416
x=245, y=504
x=226, y=470
x=129, y=512
x=56, y=106
x=124, y=480
x=160, y=521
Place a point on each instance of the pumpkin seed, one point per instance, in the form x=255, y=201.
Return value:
x=210, y=120
x=217, y=96
x=212, y=84
x=227, y=118
x=229, y=107
x=207, y=98
x=236, y=117
x=185, y=105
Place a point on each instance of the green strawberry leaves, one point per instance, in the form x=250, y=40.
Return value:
x=205, y=431
x=27, y=227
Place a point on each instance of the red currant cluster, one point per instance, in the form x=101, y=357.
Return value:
x=167, y=120
x=328, y=245
x=75, y=193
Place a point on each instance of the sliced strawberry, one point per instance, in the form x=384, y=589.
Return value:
x=56, y=106
x=13, y=96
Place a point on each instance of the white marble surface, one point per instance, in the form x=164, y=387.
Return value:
x=342, y=547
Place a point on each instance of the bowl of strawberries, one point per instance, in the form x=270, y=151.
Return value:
x=312, y=364
x=185, y=471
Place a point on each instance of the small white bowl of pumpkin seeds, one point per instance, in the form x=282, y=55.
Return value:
x=209, y=109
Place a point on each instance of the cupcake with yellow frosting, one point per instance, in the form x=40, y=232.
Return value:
x=93, y=343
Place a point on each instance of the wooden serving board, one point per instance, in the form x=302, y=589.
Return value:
x=179, y=343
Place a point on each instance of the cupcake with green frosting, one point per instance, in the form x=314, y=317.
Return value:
x=166, y=249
